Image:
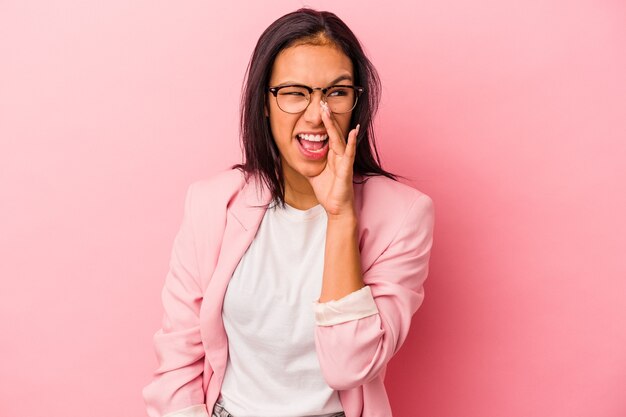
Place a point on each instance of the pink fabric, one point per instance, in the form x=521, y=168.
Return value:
x=221, y=216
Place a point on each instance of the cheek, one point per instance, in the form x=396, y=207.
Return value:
x=344, y=125
x=282, y=125
x=281, y=131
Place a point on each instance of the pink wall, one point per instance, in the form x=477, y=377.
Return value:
x=510, y=114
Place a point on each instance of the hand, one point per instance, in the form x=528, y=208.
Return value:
x=333, y=186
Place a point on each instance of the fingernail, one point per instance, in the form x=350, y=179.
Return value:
x=357, y=128
x=325, y=107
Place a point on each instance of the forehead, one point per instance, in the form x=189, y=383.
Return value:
x=310, y=64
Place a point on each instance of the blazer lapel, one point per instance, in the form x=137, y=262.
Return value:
x=243, y=217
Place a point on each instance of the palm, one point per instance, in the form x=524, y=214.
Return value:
x=330, y=185
x=333, y=186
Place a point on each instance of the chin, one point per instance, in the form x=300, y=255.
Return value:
x=312, y=169
x=308, y=169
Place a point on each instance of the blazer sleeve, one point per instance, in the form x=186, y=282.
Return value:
x=176, y=388
x=352, y=352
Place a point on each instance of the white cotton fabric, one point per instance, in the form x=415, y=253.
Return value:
x=270, y=312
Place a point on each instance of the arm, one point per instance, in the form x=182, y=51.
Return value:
x=342, y=265
x=176, y=389
x=353, y=351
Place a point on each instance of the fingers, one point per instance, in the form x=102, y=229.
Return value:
x=350, y=150
x=335, y=137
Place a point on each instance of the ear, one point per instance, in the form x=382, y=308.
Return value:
x=266, y=112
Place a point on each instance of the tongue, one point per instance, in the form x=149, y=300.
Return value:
x=311, y=146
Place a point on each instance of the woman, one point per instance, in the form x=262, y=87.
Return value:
x=294, y=275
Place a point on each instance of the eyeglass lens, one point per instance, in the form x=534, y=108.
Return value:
x=295, y=99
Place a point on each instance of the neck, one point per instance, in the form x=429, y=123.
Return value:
x=299, y=193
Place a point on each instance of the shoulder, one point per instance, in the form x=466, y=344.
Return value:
x=212, y=194
x=386, y=197
x=394, y=218
x=222, y=182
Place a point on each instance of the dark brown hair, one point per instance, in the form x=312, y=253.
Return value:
x=312, y=27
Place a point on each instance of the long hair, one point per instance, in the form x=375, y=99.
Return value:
x=312, y=27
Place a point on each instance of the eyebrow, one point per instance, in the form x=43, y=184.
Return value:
x=336, y=80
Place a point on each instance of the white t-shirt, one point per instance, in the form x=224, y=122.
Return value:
x=272, y=368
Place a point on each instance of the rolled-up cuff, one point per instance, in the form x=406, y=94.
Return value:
x=356, y=305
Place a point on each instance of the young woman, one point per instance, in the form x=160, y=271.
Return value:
x=294, y=276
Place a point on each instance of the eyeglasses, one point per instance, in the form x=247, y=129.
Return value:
x=295, y=98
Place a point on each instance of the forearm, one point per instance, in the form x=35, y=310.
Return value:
x=342, y=262
x=353, y=351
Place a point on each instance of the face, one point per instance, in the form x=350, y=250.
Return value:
x=315, y=66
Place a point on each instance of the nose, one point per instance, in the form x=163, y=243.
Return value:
x=321, y=94
x=313, y=111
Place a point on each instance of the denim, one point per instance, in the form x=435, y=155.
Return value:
x=219, y=411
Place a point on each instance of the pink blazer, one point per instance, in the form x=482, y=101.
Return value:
x=219, y=223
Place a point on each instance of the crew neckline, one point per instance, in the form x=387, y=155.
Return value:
x=297, y=214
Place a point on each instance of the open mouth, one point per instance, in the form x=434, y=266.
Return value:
x=313, y=143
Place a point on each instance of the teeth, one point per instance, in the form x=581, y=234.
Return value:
x=313, y=138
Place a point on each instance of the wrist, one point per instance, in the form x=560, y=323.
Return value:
x=346, y=219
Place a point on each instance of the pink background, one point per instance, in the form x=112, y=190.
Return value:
x=511, y=115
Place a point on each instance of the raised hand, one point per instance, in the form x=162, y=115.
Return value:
x=333, y=186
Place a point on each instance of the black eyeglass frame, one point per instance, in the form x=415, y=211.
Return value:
x=358, y=92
